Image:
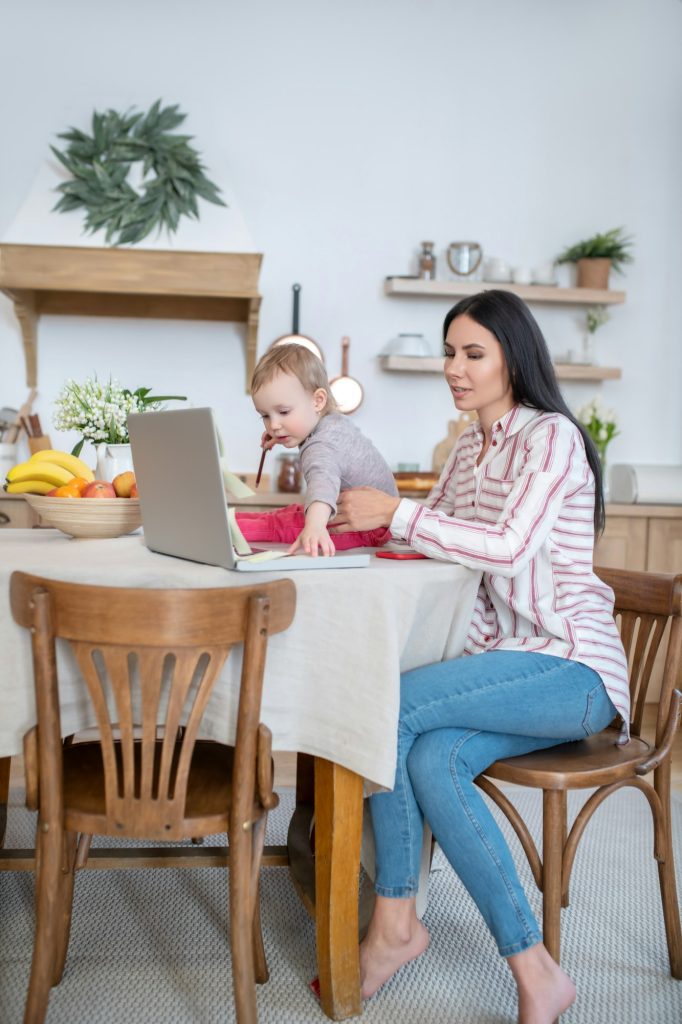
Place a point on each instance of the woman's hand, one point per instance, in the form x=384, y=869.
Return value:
x=363, y=508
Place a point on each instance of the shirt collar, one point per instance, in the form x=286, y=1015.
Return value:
x=512, y=421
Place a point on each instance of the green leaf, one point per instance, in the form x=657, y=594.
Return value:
x=99, y=165
x=76, y=450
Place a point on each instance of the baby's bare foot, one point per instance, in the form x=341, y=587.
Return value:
x=380, y=958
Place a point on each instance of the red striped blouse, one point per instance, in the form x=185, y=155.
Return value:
x=525, y=518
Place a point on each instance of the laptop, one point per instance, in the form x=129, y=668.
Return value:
x=182, y=497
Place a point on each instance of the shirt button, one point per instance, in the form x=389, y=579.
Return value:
x=494, y=443
x=487, y=639
x=473, y=504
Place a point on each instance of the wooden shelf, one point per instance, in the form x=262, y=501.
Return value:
x=418, y=288
x=132, y=283
x=582, y=371
x=434, y=364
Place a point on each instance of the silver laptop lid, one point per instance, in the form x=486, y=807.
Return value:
x=178, y=473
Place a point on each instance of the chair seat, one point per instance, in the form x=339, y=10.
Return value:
x=595, y=761
x=209, y=791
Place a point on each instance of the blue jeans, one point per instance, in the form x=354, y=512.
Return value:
x=457, y=718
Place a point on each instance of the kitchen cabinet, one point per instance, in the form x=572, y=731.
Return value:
x=644, y=537
x=15, y=512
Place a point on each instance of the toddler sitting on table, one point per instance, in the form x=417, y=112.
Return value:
x=291, y=393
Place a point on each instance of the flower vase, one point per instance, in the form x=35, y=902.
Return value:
x=113, y=459
x=588, y=354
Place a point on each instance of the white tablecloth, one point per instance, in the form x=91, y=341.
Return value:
x=331, y=680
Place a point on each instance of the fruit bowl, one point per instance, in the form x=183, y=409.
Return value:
x=88, y=517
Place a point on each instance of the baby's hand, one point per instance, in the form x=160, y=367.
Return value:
x=267, y=442
x=310, y=539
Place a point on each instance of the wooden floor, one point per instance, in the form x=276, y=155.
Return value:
x=285, y=763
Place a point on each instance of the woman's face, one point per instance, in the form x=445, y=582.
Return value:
x=475, y=370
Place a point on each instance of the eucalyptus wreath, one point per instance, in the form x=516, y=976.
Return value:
x=99, y=164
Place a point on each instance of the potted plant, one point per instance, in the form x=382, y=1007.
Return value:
x=99, y=412
x=596, y=256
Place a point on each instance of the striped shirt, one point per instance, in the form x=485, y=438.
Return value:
x=525, y=518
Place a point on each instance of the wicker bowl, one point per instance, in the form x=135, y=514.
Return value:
x=88, y=517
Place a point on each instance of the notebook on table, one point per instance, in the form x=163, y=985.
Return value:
x=183, y=503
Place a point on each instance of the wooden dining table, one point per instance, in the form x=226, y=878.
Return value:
x=331, y=694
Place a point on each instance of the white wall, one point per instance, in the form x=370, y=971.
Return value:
x=348, y=133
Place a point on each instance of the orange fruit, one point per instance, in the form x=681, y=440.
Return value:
x=79, y=483
x=67, y=491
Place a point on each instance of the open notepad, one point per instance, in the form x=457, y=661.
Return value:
x=183, y=503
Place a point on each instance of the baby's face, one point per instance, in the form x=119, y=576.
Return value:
x=289, y=412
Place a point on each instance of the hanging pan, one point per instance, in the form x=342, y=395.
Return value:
x=295, y=338
x=346, y=390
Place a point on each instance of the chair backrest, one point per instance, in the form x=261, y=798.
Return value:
x=149, y=658
x=645, y=604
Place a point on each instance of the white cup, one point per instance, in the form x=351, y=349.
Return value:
x=497, y=269
x=544, y=274
x=521, y=275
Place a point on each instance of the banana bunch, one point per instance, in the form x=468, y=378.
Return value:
x=44, y=471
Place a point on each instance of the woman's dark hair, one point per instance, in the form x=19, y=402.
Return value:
x=529, y=365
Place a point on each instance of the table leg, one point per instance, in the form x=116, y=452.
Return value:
x=338, y=835
x=5, y=766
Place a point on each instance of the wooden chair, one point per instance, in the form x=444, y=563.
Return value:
x=148, y=657
x=645, y=603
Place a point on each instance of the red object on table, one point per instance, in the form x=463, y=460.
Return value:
x=400, y=554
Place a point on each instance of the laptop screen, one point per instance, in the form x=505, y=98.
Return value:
x=178, y=473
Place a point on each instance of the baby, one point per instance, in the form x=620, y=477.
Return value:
x=291, y=393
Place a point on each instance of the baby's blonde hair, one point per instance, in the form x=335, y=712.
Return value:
x=298, y=361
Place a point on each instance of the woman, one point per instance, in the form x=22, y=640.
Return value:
x=520, y=498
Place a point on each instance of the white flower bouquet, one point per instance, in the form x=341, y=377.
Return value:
x=601, y=425
x=99, y=412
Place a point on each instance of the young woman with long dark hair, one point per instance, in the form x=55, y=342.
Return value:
x=519, y=499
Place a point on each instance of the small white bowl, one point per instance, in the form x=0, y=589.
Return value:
x=88, y=517
x=407, y=345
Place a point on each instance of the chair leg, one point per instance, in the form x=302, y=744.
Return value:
x=5, y=767
x=48, y=905
x=241, y=928
x=260, y=964
x=666, y=876
x=553, y=832
x=65, y=904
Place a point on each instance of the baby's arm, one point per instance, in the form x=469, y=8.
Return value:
x=314, y=536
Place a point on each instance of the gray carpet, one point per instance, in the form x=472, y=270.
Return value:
x=151, y=946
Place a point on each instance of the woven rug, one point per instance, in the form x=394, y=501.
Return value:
x=151, y=946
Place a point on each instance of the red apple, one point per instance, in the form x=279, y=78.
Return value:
x=123, y=484
x=99, y=489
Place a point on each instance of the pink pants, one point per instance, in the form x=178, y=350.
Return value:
x=283, y=525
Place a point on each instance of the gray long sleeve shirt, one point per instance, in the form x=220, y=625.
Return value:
x=336, y=456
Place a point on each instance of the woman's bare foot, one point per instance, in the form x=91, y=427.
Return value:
x=544, y=990
x=388, y=945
